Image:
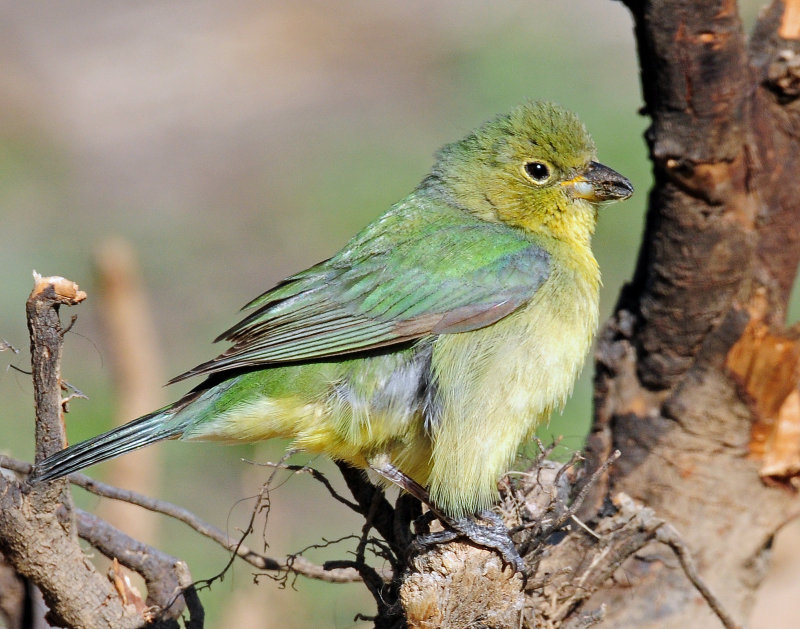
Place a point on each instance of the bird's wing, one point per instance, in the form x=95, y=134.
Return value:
x=388, y=287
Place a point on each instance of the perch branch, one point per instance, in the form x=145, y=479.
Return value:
x=162, y=572
x=36, y=526
x=299, y=565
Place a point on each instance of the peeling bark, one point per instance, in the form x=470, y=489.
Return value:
x=697, y=377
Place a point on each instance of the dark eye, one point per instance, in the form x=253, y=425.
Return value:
x=537, y=171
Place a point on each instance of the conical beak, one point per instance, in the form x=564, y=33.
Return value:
x=600, y=183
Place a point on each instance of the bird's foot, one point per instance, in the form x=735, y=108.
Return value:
x=493, y=535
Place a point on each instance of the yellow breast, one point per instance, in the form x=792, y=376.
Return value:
x=497, y=384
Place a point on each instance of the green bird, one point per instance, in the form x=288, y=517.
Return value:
x=435, y=342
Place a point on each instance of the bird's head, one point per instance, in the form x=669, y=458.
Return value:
x=533, y=168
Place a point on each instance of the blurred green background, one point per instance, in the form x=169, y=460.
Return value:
x=235, y=142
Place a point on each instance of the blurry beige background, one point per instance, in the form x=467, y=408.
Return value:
x=232, y=143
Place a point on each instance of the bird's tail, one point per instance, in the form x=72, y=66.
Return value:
x=140, y=432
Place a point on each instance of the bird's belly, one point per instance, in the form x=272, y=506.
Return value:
x=539, y=367
x=495, y=385
x=350, y=410
x=526, y=364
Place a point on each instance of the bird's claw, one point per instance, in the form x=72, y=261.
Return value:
x=493, y=536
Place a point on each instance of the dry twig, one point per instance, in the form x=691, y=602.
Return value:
x=296, y=564
x=35, y=523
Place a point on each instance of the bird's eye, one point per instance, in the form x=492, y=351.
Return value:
x=537, y=171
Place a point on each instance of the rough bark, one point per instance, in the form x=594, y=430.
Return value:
x=15, y=603
x=38, y=530
x=697, y=378
x=38, y=527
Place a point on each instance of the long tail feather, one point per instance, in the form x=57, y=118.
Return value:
x=135, y=434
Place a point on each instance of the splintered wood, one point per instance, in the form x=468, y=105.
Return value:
x=790, y=22
x=767, y=369
x=64, y=290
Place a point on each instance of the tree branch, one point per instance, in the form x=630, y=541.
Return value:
x=166, y=577
x=47, y=341
x=36, y=536
x=296, y=564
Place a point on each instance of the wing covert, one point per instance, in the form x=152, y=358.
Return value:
x=422, y=273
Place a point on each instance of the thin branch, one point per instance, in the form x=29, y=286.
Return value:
x=316, y=475
x=573, y=461
x=585, y=528
x=576, y=503
x=262, y=502
x=299, y=565
x=20, y=370
x=370, y=498
x=160, y=570
x=667, y=534
x=613, y=457
x=662, y=531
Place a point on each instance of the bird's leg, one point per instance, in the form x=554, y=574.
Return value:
x=494, y=536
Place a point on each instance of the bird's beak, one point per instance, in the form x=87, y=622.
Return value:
x=599, y=183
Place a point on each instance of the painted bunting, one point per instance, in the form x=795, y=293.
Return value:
x=435, y=341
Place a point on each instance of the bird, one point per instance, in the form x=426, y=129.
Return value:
x=434, y=343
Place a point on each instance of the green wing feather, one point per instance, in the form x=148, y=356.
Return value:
x=422, y=268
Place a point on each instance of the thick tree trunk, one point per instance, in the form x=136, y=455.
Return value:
x=697, y=378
